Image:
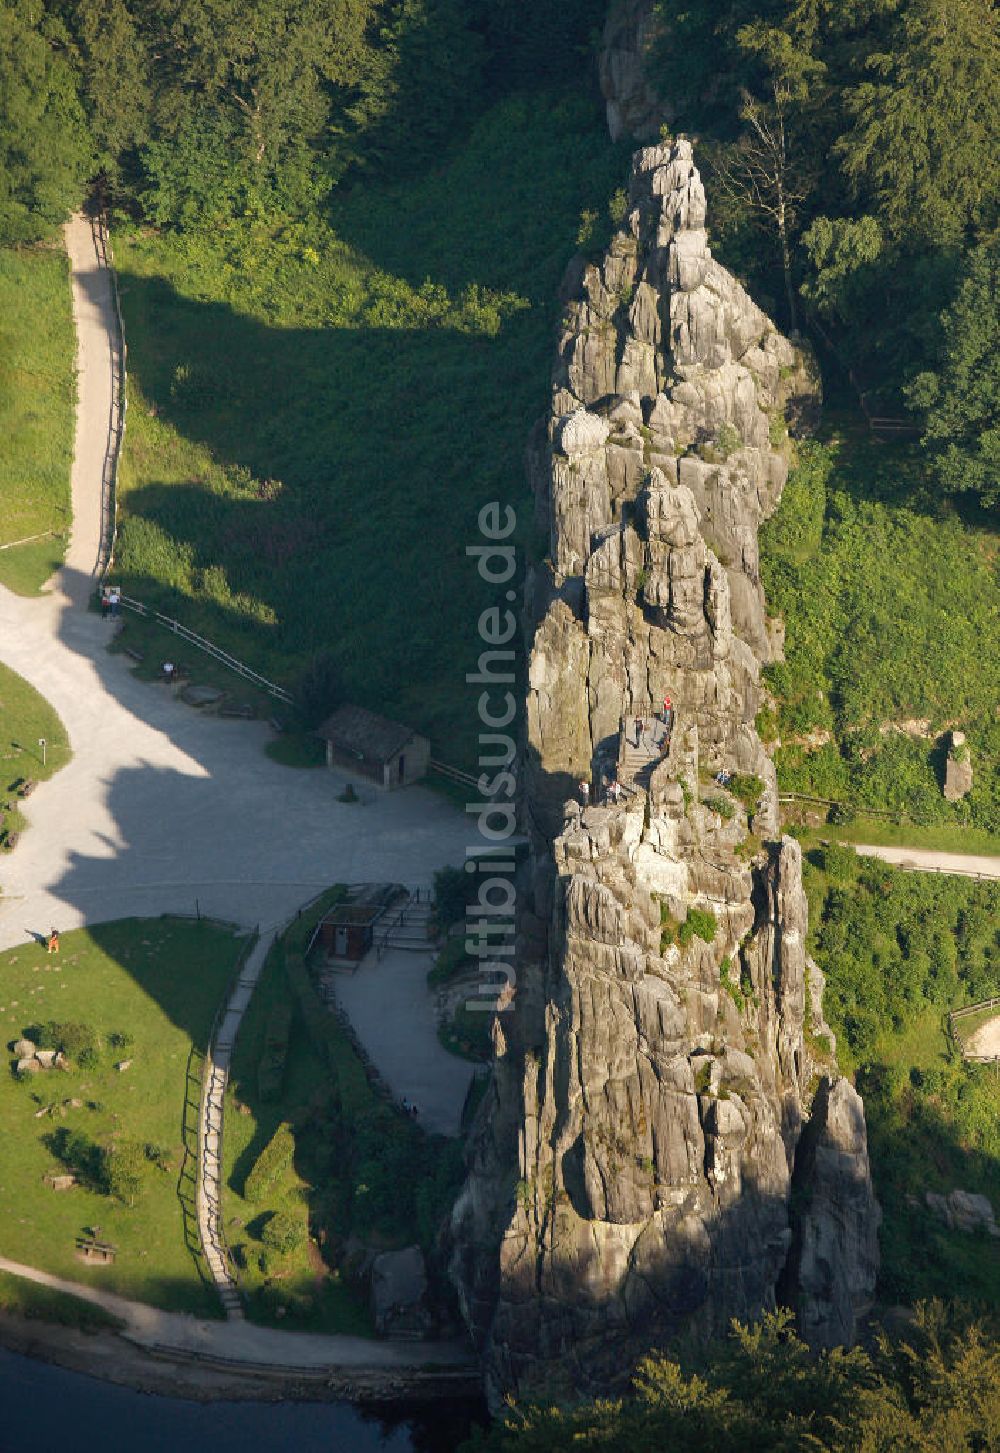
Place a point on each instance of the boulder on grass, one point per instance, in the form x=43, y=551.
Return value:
x=399, y=1294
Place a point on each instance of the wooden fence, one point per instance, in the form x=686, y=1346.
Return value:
x=983, y=1059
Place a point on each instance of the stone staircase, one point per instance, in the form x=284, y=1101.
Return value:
x=408, y=926
x=636, y=762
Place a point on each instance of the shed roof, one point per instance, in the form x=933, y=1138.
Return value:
x=364, y=734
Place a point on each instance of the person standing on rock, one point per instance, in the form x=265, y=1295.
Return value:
x=585, y=793
x=638, y=732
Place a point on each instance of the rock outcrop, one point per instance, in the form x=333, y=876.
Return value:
x=633, y=107
x=957, y=769
x=666, y=1071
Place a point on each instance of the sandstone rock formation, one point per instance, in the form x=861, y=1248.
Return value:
x=958, y=769
x=633, y=107
x=633, y=1167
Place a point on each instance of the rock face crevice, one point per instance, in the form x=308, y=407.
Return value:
x=631, y=1173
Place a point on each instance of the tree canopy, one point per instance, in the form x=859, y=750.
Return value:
x=763, y=1391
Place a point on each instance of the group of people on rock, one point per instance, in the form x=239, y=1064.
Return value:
x=613, y=790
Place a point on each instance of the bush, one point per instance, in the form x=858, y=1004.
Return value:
x=748, y=788
x=283, y=1233
x=453, y=890
x=124, y=1163
x=319, y=690
x=722, y=805
x=272, y=1162
x=271, y=1068
x=700, y=923
x=450, y=961
x=79, y=1042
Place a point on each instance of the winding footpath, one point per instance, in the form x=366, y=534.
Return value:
x=926, y=860
x=163, y=810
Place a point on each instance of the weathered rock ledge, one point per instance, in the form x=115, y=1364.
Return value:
x=656, y=1094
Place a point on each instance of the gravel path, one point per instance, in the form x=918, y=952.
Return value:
x=986, y=1040
x=165, y=810
x=188, y=1336
x=923, y=860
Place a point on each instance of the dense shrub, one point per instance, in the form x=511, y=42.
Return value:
x=283, y=1233
x=272, y=1162
x=700, y=923
x=78, y=1042
x=124, y=1165
x=271, y=1067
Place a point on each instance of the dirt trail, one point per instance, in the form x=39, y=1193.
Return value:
x=968, y=865
x=96, y=360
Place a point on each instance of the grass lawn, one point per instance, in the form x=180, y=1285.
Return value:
x=158, y=981
x=306, y=1290
x=28, y=1299
x=156, y=644
x=938, y=837
x=361, y=1174
x=889, y=596
x=24, y=717
x=318, y=411
x=37, y=395
x=898, y=951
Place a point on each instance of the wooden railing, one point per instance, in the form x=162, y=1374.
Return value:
x=209, y=647
x=982, y=1059
x=119, y=404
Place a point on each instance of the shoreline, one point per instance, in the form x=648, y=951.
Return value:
x=113, y=1357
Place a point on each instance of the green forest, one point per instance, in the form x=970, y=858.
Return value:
x=849, y=147
x=850, y=151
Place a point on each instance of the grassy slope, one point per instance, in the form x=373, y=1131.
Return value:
x=385, y=370
x=37, y=390
x=24, y=717
x=162, y=981
x=898, y=951
x=891, y=601
x=27, y=1299
x=316, y=1299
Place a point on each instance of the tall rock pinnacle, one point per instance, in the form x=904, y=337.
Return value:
x=666, y=1069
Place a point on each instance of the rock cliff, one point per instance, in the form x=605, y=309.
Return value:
x=633, y=107
x=666, y=1073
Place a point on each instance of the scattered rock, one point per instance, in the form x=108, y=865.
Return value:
x=23, y=1048
x=123, y=1065
x=46, y=1058
x=27, y=1066
x=399, y=1294
x=958, y=769
x=60, y=1182
x=201, y=695
x=633, y=107
x=963, y=1211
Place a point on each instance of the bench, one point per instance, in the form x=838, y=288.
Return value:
x=26, y=788
x=11, y=840
x=244, y=712
x=137, y=655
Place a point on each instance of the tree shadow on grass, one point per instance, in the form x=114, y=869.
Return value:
x=386, y=443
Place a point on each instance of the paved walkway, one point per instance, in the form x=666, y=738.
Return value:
x=161, y=808
x=388, y=1003
x=242, y=1342
x=96, y=359
x=923, y=860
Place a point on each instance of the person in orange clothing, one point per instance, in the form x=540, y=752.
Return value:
x=52, y=943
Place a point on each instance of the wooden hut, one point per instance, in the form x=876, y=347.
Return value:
x=386, y=752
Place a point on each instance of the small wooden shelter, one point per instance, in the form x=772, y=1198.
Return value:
x=387, y=752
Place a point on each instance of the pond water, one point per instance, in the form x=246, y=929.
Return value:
x=46, y=1408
